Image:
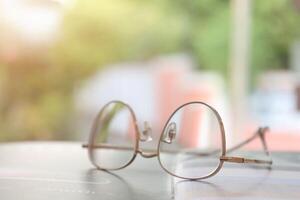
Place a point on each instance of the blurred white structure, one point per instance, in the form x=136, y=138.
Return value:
x=239, y=63
x=153, y=89
x=275, y=102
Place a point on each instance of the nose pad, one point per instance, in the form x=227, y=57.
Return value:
x=170, y=133
x=146, y=134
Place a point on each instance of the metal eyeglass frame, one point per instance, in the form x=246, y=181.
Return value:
x=223, y=158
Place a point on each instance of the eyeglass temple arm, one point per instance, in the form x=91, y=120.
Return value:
x=259, y=133
x=144, y=154
x=244, y=160
x=107, y=146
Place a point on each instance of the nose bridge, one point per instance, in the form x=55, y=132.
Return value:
x=146, y=136
x=147, y=154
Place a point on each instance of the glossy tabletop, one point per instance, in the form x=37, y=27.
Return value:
x=61, y=170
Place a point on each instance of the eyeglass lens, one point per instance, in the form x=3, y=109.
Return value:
x=113, y=137
x=191, y=142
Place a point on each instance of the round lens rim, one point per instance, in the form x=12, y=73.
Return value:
x=222, y=130
x=93, y=134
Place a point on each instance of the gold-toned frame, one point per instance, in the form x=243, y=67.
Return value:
x=223, y=144
x=223, y=158
x=94, y=132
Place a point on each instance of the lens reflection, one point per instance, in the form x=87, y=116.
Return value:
x=191, y=142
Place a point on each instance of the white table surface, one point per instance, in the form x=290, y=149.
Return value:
x=61, y=170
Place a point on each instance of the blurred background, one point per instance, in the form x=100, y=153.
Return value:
x=61, y=60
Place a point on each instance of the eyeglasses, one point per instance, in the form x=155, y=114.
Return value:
x=191, y=146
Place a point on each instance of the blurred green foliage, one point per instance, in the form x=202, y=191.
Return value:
x=37, y=89
x=99, y=32
x=275, y=27
x=35, y=100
